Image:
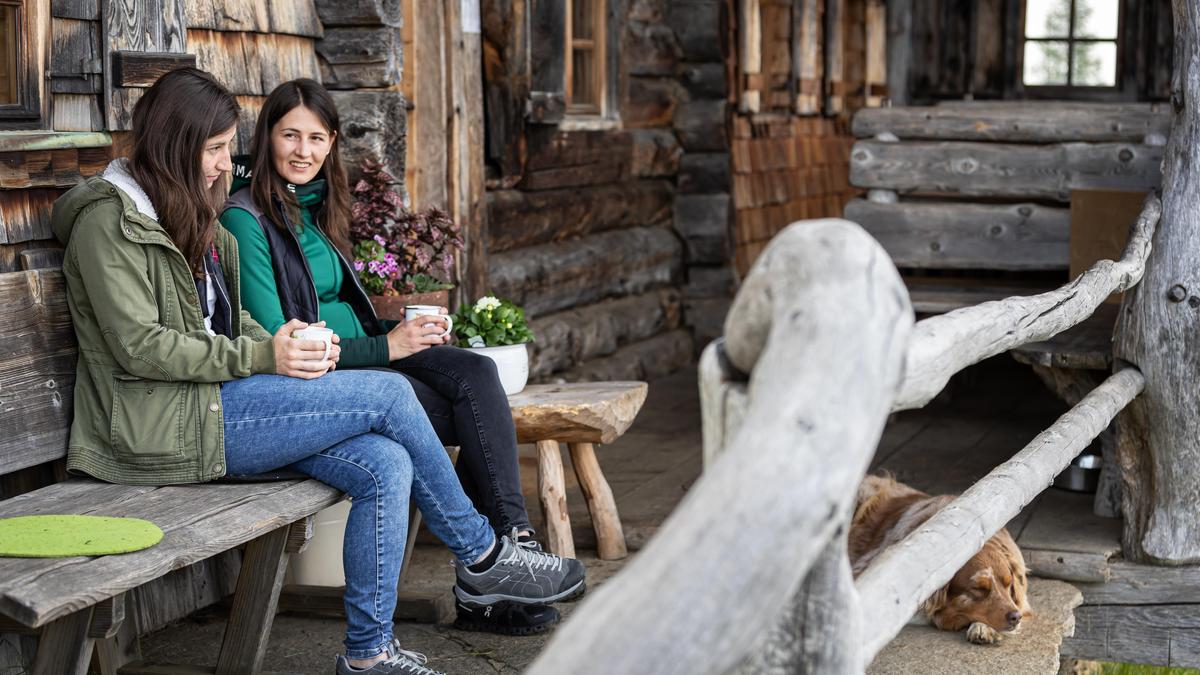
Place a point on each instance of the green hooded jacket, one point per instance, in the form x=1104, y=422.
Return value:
x=147, y=389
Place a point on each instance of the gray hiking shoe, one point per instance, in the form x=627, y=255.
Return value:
x=399, y=662
x=523, y=575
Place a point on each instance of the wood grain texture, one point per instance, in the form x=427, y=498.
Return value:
x=1004, y=170
x=906, y=574
x=552, y=496
x=1165, y=635
x=253, y=612
x=75, y=57
x=588, y=412
x=228, y=15
x=38, y=374
x=142, y=69
x=610, y=537
x=64, y=647
x=360, y=12
x=295, y=17
x=777, y=450
x=1086, y=346
x=1012, y=122
x=353, y=58
x=25, y=214
x=952, y=235
x=943, y=345
x=1159, y=439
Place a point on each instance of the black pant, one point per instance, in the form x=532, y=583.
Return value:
x=461, y=392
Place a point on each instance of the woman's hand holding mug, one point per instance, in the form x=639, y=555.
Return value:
x=425, y=326
x=305, y=351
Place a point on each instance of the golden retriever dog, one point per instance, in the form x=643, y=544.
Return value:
x=987, y=596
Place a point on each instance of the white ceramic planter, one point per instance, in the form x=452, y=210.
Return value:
x=513, y=363
x=320, y=564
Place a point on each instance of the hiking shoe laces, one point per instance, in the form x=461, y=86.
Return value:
x=399, y=662
x=530, y=554
x=521, y=574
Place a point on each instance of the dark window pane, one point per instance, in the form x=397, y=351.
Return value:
x=583, y=83
x=1047, y=18
x=1095, y=64
x=1045, y=63
x=8, y=54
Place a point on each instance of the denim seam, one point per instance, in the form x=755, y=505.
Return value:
x=487, y=451
x=272, y=418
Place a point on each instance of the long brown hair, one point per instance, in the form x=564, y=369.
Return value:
x=265, y=181
x=171, y=123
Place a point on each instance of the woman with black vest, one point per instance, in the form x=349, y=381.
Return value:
x=290, y=213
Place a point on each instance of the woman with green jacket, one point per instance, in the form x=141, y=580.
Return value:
x=177, y=384
x=291, y=217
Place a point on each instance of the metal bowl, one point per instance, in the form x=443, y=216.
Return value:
x=1083, y=475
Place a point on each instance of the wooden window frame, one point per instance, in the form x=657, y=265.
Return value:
x=1118, y=91
x=600, y=75
x=29, y=111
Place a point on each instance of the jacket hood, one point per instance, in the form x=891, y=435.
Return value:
x=115, y=183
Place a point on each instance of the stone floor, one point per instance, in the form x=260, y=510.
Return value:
x=988, y=414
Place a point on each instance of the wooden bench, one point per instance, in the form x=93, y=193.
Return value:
x=77, y=604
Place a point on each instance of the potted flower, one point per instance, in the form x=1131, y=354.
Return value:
x=497, y=329
x=402, y=257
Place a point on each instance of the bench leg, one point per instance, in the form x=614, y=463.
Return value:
x=610, y=537
x=553, y=496
x=64, y=647
x=114, y=625
x=254, y=603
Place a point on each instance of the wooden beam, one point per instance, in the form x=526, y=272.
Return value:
x=808, y=62
x=750, y=49
x=899, y=50
x=464, y=45
x=1004, y=170
x=142, y=69
x=1049, y=122
x=424, y=85
x=960, y=235
x=1159, y=439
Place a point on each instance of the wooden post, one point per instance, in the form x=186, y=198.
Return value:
x=610, y=537
x=751, y=52
x=423, y=85
x=1159, y=434
x=899, y=49
x=553, y=496
x=254, y=603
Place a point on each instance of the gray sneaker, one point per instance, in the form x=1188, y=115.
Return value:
x=521, y=574
x=399, y=662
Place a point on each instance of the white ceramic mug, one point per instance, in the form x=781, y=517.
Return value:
x=413, y=311
x=316, y=333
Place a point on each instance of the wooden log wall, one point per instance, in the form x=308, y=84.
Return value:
x=818, y=62
x=613, y=235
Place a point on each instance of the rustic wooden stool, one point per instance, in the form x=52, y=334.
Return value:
x=580, y=415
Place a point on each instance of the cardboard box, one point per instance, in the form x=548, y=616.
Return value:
x=1100, y=222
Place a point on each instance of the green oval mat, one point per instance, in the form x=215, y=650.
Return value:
x=68, y=536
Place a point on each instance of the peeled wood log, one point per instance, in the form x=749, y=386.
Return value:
x=685, y=604
x=551, y=277
x=592, y=412
x=954, y=235
x=575, y=158
x=576, y=335
x=907, y=573
x=704, y=80
x=697, y=26
x=517, y=218
x=552, y=494
x=374, y=126
x=655, y=153
x=353, y=58
x=1002, y=170
x=651, y=101
x=704, y=172
x=360, y=12
x=701, y=126
x=704, y=222
x=649, y=359
x=1159, y=438
x=943, y=345
x=1048, y=122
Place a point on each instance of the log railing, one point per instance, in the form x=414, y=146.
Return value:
x=750, y=573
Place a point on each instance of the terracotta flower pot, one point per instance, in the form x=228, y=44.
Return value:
x=392, y=306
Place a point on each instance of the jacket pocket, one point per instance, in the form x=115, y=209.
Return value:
x=148, y=420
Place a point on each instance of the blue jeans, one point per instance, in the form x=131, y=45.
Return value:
x=362, y=432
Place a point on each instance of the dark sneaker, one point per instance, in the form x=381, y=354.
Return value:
x=521, y=575
x=398, y=662
x=505, y=618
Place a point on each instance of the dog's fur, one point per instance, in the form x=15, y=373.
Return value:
x=987, y=596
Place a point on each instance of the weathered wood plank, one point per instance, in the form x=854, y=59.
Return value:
x=518, y=218
x=41, y=258
x=468, y=198
x=142, y=69
x=374, y=126
x=906, y=574
x=648, y=359
x=576, y=158
x=1003, y=170
x=80, y=582
x=547, y=20
x=228, y=15
x=360, y=12
x=77, y=112
x=127, y=25
x=899, y=48
x=232, y=58
x=808, y=63
x=180, y=592
x=1165, y=635
x=576, y=413
x=295, y=17
x=75, y=9
x=25, y=215
x=285, y=57
x=352, y=58
x=423, y=85
x=253, y=612
x=38, y=373
x=506, y=82
x=556, y=276
x=1131, y=583
x=955, y=235
x=1158, y=440
x=944, y=345
x=567, y=338
x=1004, y=122
x=64, y=647
x=649, y=603
x=75, y=57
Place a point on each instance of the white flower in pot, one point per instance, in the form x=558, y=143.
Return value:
x=497, y=329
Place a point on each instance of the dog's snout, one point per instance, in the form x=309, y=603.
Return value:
x=1014, y=618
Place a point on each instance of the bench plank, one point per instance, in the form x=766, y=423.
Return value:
x=593, y=412
x=35, y=593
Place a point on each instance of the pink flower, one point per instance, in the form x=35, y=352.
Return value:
x=358, y=265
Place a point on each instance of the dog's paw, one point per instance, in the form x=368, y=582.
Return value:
x=982, y=634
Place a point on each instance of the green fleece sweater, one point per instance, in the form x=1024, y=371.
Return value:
x=260, y=295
